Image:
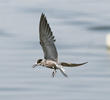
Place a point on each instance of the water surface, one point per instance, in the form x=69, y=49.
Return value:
x=80, y=28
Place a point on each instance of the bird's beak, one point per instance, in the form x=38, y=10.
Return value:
x=35, y=65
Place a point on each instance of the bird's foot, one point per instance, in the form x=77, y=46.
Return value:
x=53, y=73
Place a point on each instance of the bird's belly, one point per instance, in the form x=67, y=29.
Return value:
x=50, y=65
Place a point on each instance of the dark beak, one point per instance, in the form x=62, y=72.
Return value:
x=34, y=65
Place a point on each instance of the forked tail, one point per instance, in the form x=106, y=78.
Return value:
x=62, y=70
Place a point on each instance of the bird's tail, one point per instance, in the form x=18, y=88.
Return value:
x=62, y=70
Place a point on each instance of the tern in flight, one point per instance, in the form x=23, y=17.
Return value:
x=50, y=52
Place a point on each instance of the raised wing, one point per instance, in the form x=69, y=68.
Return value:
x=47, y=39
x=71, y=64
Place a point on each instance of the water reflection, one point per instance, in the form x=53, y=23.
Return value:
x=74, y=22
x=108, y=51
x=5, y=34
x=100, y=28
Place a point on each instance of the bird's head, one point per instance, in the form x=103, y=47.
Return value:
x=37, y=63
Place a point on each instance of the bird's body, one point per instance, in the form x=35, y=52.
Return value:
x=50, y=52
x=49, y=64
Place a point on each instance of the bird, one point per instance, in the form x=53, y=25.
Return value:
x=47, y=42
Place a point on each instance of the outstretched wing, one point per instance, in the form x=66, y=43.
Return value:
x=71, y=64
x=47, y=39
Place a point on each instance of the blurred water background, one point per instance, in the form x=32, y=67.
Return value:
x=80, y=27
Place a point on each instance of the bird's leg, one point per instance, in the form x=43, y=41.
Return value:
x=54, y=72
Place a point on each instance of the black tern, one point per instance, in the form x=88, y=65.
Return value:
x=50, y=52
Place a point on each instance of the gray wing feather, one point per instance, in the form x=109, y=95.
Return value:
x=71, y=64
x=47, y=39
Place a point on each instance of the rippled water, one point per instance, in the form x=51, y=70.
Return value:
x=80, y=27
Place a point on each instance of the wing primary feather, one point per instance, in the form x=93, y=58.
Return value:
x=72, y=64
x=47, y=39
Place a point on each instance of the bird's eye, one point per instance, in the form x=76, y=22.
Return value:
x=39, y=61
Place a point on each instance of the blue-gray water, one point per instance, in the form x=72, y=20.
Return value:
x=80, y=27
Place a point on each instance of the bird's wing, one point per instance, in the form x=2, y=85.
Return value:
x=47, y=39
x=71, y=64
